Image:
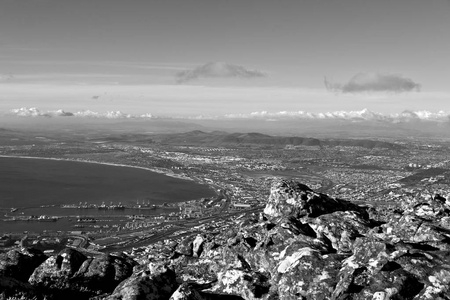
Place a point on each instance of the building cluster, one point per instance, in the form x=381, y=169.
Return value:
x=164, y=247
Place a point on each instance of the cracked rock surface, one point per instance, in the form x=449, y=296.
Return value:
x=304, y=245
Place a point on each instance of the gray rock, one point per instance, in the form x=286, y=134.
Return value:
x=11, y=288
x=158, y=284
x=56, y=270
x=197, y=245
x=102, y=274
x=296, y=199
x=185, y=246
x=20, y=263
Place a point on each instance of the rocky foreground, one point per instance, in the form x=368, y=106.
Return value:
x=305, y=245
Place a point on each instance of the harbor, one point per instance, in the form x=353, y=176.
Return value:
x=111, y=206
x=84, y=216
x=41, y=218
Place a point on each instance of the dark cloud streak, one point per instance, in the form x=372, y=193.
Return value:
x=6, y=77
x=374, y=82
x=217, y=70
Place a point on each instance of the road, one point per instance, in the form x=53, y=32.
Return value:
x=227, y=203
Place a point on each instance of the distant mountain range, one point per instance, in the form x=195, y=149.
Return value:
x=221, y=138
x=362, y=124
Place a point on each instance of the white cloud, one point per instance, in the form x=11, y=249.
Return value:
x=195, y=100
x=361, y=115
x=35, y=112
x=357, y=115
x=107, y=115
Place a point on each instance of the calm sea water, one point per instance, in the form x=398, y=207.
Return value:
x=41, y=186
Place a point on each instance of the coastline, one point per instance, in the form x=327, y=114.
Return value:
x=56, y=210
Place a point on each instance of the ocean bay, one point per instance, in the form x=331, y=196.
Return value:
x=38, y=186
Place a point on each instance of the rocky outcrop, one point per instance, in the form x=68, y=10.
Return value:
x=298, y=200
x=305, y=245
x=310, y=246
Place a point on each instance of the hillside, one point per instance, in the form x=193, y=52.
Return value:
x=304, y=245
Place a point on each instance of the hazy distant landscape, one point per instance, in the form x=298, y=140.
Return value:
x=203, y=158
x=231, y=150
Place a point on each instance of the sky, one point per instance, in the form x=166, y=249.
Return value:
x=203, y=57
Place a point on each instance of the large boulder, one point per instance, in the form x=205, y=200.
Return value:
x=157, y=284
x=296, y=199
x=102, y=274
x=197, y=245
x=55, y=272
x=20, y=263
